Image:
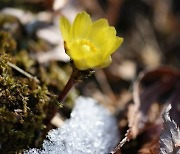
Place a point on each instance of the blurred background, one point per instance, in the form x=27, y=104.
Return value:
x=150, y=29
x=151, y=32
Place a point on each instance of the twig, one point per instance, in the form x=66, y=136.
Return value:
x=23, y=72
x=127, y=138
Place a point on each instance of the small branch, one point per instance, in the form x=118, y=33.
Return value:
x=23, y=72
x=127, y=138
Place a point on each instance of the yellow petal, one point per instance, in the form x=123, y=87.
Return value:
x=112, y=44
x=65, y=28
x=99, y=24
x=88, y=61
x=106, y=62
x=81, y=64
x=88, y=44
x=111, y=31
x=81, y=26
x=94, y=60
x=80, y=48
x=75, y=51
x=109, y=35
x=116, y=44
x=97, y=34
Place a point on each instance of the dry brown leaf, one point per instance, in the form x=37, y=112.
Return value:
x=170, y=137
x=150, y=148
x=153, y=134
x=151, y=140
x=161, y=81
x=149, y=88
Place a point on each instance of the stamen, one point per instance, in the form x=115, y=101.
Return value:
x=86, y=44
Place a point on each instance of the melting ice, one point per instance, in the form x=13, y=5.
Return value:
x=91, y=129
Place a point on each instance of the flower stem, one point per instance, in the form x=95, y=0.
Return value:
x=72, y=80
x=76, y=76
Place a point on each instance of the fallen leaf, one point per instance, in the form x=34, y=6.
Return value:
x=170, y=137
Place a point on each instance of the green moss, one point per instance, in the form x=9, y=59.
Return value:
x=55, y=76
x=22, y=110
x=12, y=25
x=23, y=61
x=24, y=102
x=7, y=43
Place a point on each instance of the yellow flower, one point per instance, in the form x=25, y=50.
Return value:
x=89, y=44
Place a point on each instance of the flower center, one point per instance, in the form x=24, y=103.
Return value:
x=86, y=45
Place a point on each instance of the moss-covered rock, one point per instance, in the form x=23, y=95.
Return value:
x=23, y=108
x=23, y=103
